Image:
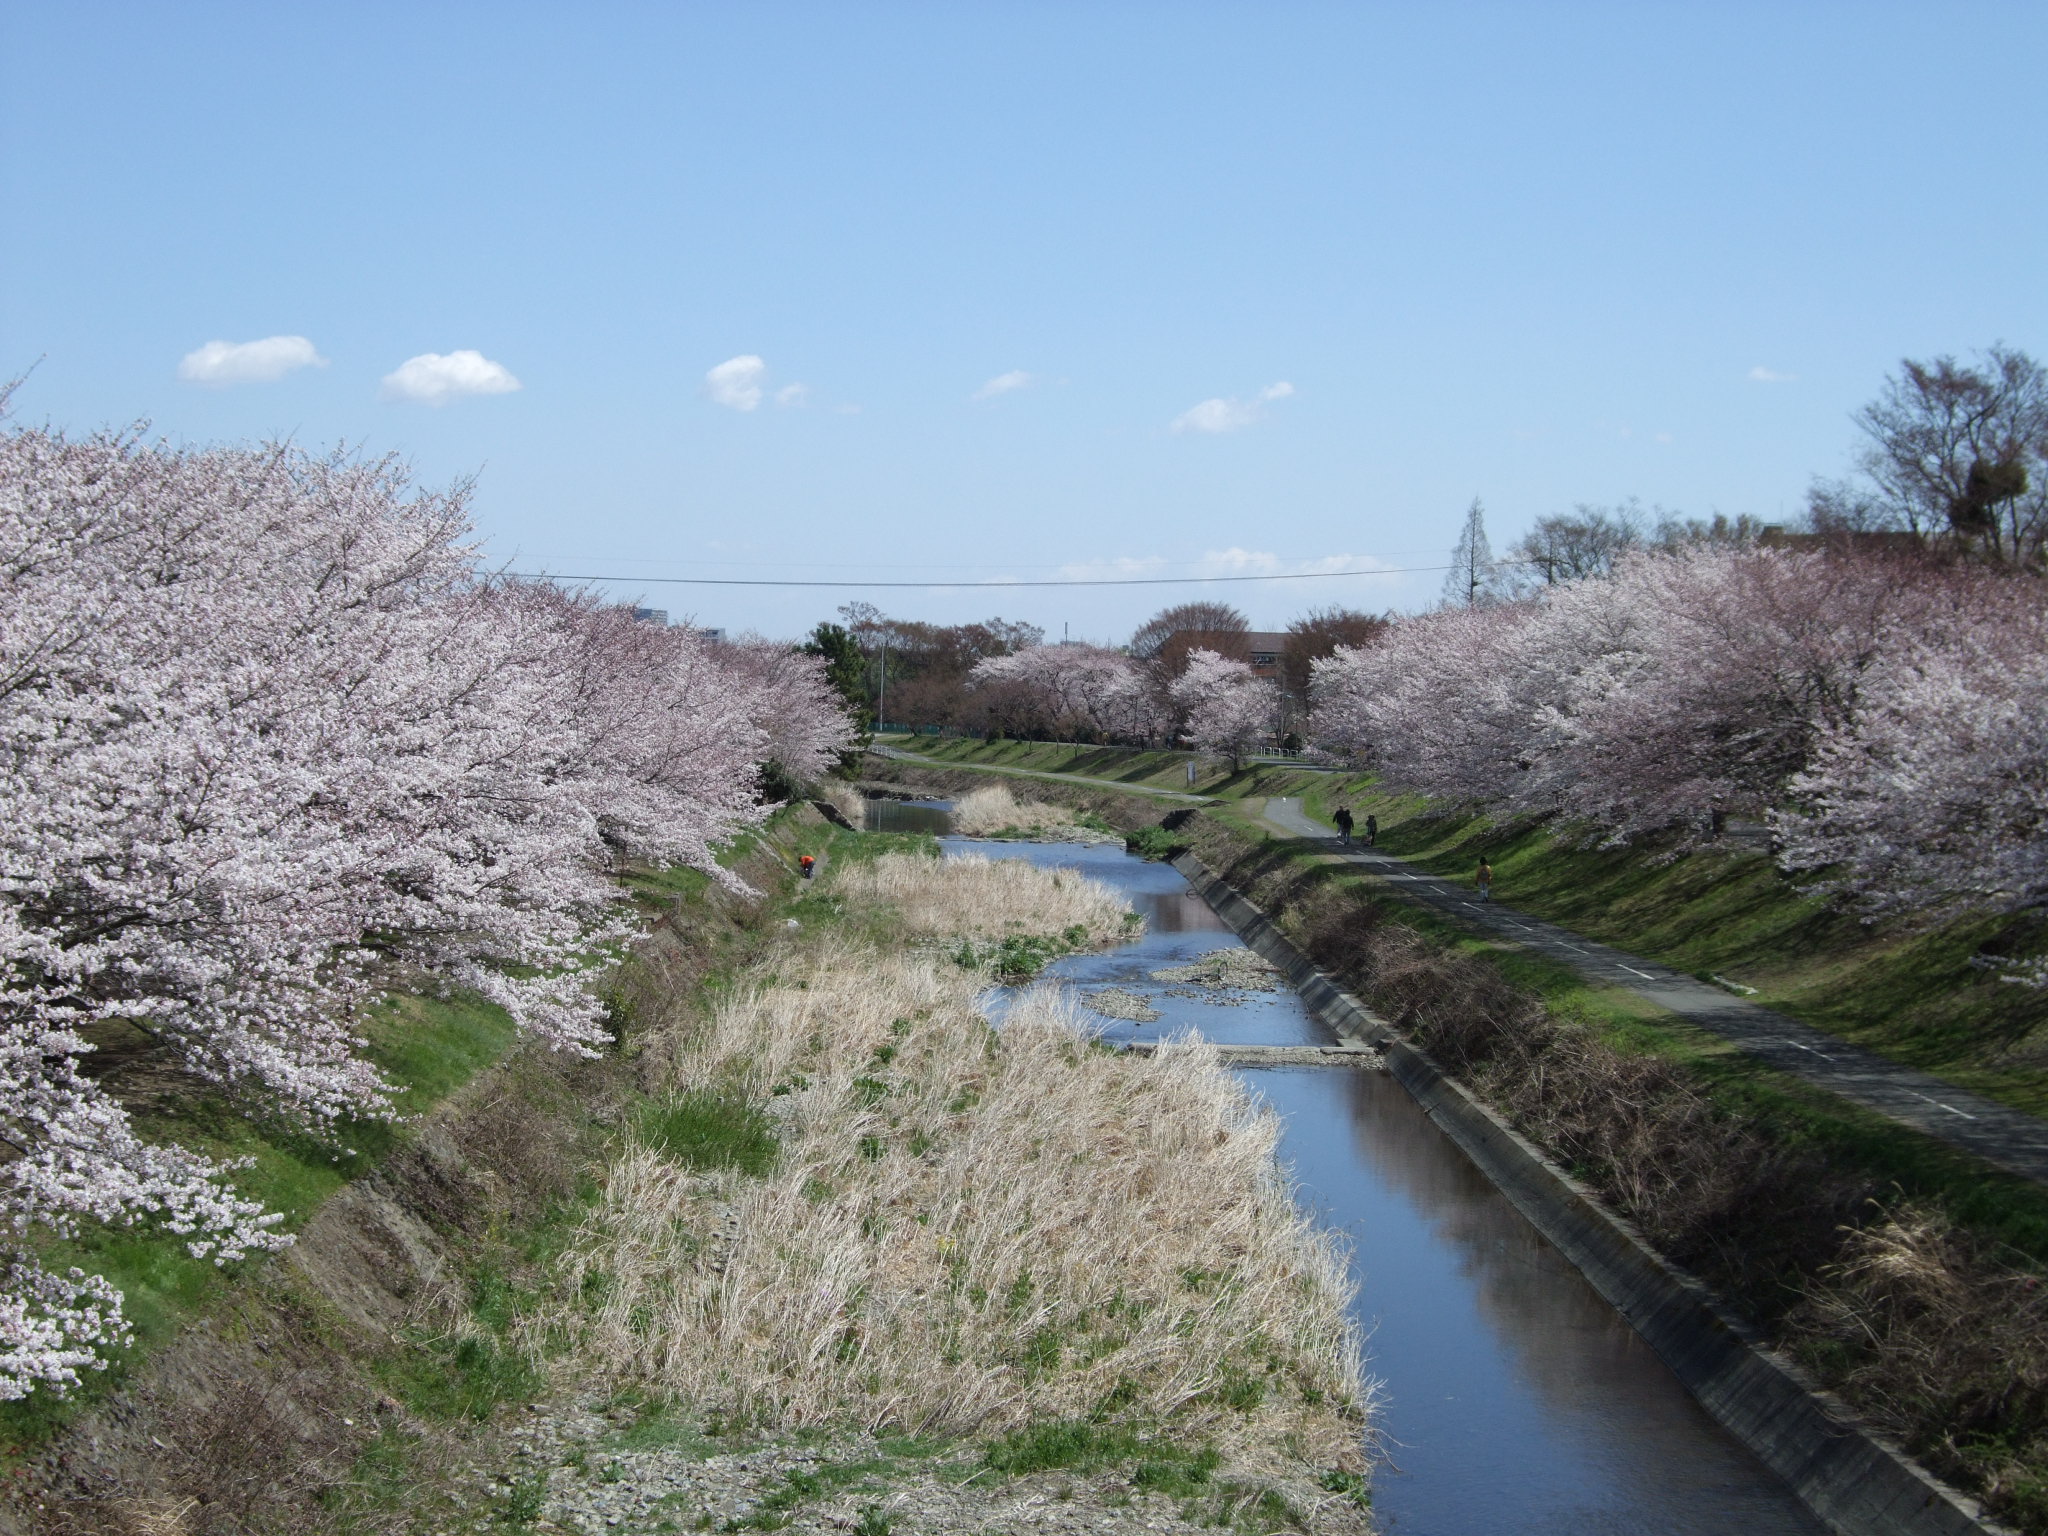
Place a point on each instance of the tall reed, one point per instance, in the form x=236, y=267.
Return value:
x=976, y=897
x=966, y=1231
x=993, y=808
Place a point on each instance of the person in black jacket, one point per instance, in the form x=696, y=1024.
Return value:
x=1343, y=820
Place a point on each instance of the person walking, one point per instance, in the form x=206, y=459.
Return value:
x=1343, y=820
x=1372, y=829
x=1485, y=879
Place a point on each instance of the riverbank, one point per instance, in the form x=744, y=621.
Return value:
x=304, y=1392
x=1917, y=997
x=1901, y=1274
x=856, y=1205
x=465, y=1343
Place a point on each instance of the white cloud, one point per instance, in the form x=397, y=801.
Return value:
x=249, y=362
x=1221, y=415
x=1763, y=375
x=1216, y=416
x=1003, y=383
x=793, y=394
x=736, y=382
x=435, y=378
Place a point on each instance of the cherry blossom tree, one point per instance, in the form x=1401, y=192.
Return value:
x=1688, y=684
x=1437, y=702
x=1075, y=688
x=1229, y=708
x=1891, y=718
x=270, y=733
x=1699, y=682
x=1932, y=797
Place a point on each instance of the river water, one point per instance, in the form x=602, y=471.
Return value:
x=1515, y=1401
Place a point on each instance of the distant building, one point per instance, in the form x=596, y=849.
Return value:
x=655, y=616
x=1263, y=651
x=1261, y=647
x=709, y=634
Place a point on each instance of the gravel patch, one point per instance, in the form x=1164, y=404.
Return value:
x=1117, y=1003
x=1222, y=971
x=580, y=1470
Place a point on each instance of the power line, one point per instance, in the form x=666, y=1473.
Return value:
x=1113, y=581
x=876, y=565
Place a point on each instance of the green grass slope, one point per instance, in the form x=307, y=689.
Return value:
x=1920, y=997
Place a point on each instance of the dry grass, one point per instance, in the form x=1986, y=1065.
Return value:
x=993, y=808
x=975, y=897
x=969, y=1233
x=844, y=798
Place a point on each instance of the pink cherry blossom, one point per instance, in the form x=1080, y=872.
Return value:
x=275, y=741
x=1076, y=688
x=1228, y=707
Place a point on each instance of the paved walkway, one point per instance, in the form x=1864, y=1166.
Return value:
x=2013, y=1140
x=901, y=756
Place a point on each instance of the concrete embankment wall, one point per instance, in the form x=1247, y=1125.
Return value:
x=1855, y=1481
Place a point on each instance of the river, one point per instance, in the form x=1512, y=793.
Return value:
x=1514, y=1400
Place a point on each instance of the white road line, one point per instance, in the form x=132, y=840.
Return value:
x=1939, y=1105
x=1634, y=972
x=1823, y=1055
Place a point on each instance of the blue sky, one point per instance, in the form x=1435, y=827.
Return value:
x=1403, y=256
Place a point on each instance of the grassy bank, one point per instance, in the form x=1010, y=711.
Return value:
x=1920, y=998
x=1905, y=1275
x=809, y=1195
x=1916, y=996
x=430, y=1047
x=855, y=1205
x=253, y=1395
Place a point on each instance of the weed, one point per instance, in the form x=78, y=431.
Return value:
x=525, y=1500
x=1155, y=843
x=704, y=1128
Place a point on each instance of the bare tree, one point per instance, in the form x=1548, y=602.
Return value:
x=1569, y=546
x=1957, y=455
x=1318, y=633
x=1165, y=639
x=1720, y=531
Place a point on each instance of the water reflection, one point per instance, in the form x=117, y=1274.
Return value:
x=931, y=817
x=1179, y=927
x=1518, y=1403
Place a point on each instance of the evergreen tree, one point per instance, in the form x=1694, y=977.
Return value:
x=846, y=669
x=1473, y=579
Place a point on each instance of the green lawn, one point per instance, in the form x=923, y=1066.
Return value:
x=1917, y=997
x=1152, y=769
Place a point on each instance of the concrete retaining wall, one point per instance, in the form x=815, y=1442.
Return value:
x=1849, y=1476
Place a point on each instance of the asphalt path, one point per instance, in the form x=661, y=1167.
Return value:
x=2009, y=1138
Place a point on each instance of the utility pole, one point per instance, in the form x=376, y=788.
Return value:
x=882, y=700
